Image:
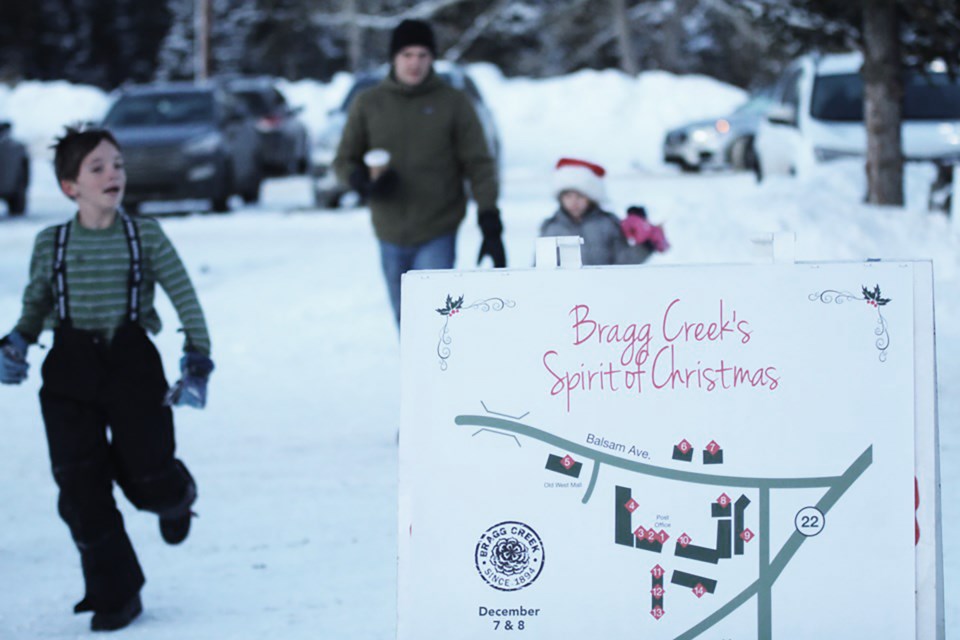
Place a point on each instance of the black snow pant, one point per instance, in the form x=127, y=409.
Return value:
x=90, y=385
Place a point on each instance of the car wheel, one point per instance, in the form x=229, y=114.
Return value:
x=252, y=194
x=326, y=199
x=686, y=167
x=741, y=153
x=750, y=161
x=303, y=165
x=17, y=203
x=220, y=202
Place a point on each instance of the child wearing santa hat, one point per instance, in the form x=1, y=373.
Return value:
x=579, y=188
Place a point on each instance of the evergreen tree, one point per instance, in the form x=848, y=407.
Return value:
x=175, y=59
x=18, y=31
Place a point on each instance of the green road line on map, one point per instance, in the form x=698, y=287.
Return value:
x=826, y=503
x=764, y=595
x=738, y=601
x=593, y=482
x=770, y=574
x=640, y=467
x=769, y=571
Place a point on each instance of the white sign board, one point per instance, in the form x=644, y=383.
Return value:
x=687, y=452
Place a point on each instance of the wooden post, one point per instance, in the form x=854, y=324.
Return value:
x=201, y=43
x=354, y=36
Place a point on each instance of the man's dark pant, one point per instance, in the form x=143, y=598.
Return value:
x=90, y=384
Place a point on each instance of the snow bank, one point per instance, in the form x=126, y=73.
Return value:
x=563, y=116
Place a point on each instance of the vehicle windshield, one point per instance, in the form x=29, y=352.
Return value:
x=756, y=105
x=255, y=101
x=931, y=96
x=160, y=110
x=926, y=96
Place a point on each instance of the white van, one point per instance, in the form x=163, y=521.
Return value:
x=818, y=115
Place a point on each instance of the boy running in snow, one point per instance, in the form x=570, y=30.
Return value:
x=579, y=188
x=92, y=280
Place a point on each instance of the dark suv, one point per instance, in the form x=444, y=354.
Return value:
x=14, y=171
x=284, y=140
x=185, y=141
x=327, y=191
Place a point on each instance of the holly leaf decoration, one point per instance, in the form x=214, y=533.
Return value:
x=451, y=305
x=875, y=295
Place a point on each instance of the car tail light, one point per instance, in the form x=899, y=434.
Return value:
x=268, y=123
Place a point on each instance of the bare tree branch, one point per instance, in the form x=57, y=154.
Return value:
x=587, y=51
x=476, y=29
x=422, y=11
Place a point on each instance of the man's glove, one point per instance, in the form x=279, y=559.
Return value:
x=492, y=245
x=13, y=358
x=360, y=180
x=385, y=184
x=191, y=388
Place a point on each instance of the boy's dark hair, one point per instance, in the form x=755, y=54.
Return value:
x=73, y=146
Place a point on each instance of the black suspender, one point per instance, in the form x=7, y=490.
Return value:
x=60, y=273
x=136, y=270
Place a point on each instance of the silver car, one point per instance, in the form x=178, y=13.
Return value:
x=327, y=191
x=184, y=141
x=725, y=142
x=284, y=140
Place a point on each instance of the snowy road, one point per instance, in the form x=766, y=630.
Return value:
x=295, y=455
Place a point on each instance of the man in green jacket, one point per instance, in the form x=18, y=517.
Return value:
x=434, y=141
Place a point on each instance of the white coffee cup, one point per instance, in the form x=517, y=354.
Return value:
x=377, y=160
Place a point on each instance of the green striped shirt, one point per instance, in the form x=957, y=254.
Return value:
x=98, y=273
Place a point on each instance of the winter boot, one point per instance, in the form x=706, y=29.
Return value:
x=175, y=523
x=119, y=618
x=83, y=606
x=175, y=528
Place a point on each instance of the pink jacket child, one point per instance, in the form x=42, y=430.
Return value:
x=639, y=230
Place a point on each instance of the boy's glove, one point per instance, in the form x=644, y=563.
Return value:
x=191, y=388
x=492, y=245
x=13, y=358
x=382, y=187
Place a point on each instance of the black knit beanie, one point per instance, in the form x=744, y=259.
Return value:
x=412, y=33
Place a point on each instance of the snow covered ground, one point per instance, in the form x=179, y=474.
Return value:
x=295, y=455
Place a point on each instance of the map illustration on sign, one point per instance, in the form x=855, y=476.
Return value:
x=720, y=453
x=731, y=536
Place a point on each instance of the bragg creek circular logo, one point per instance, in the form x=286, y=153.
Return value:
x=509, y=556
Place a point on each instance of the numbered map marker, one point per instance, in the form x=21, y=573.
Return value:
x=809, y=521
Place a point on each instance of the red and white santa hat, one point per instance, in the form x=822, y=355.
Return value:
x=579, y=175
